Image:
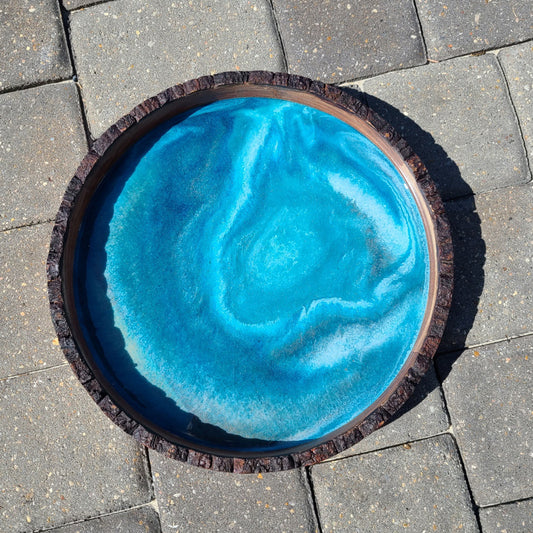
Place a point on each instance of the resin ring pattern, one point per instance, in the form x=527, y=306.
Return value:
x=250, y=271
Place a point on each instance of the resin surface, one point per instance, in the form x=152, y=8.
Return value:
x=252, y=274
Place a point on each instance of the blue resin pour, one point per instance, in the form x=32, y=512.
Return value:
x=252, y=274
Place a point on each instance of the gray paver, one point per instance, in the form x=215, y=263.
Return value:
x=63, y=460
x=33, y=43
x=78, y=4
x=457, y=116
x=27, y=337
x=517, y=62
x=493, y=292
x=336, y=41
x=421, y=488
x=41, y=144
x=511, y=518
x=126, y=51
x=193, y=499
x=423, y=415
x=456, y=27
x=488, y=393
x=141, y=520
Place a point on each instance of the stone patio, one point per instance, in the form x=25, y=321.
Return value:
x=456, y=80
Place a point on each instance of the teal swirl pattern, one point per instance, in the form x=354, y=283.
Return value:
x=261, y=264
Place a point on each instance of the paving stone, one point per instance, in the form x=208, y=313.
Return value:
x=511, y=518
x=41, y=144
x=456, y=27
x=140, y=520
x=193, y=499
x=27, y=337
x=488, y=393
x=63, y=460
x=79, y=4
x=334, y=41
x=128, y=50
x=517, y=62
x=493, y=294
x=420, y=488
x=458, y=118
x=33, y=42
x=423, y=415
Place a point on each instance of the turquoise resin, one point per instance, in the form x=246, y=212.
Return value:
x=252, y=274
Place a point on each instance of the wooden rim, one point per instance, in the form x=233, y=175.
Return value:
x=153, y=111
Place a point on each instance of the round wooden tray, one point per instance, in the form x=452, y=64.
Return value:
x=175, y=101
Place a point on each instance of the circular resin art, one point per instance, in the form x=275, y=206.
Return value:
x=249, y=276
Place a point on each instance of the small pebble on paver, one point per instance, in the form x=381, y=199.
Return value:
x=517, y=63
x=42, y=141
x=33, y=42
x=456, y=27
x=336, y=42
x=141, y=520
x=509, y=518
x=488, y=393
x=458, y=118
x=127, y=51
x=194, y=499
x=27, y=337
x=423, y=415
x=416, y=487
x=62, y=459
x=493, y=295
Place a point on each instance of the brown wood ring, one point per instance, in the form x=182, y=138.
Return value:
x=118, y=136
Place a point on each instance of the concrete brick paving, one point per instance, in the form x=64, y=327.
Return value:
x=55, y=441
x=419, y=487
x=42, y=141
x=191, y=499
x=140, y=520
x=63, y=460
x=511, y=518
x=33, y=43
x=488, y=393
x=128, y=50
x=458, y=118
x=517, y=62
x=493, y=238
x=27, y=336
x=339, y=41
x=456, y=27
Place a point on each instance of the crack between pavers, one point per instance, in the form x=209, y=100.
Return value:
x=507, y=338
x=517, y=118
x=278, y=32
x=91, y=4
x=31, y=372
x=103, y=515
x=503, y=504
x=34, y=85
x=312, y=496
x=28, y=225
x=421, y=29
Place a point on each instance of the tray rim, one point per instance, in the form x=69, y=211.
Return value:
x=177, y=99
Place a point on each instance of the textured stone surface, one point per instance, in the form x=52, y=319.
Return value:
x=79, y=4
x=511, y=518
x=419, y=488
x=517, y=63
x=494, y=268
x=439, y=108
x=126, y=51
x=27, y=338
x=41, y=143
x=33, y=43
x=336, y=41
x=192, y=499
x=488, y=393
x=62, y=459
x=456, y=27
x=140, y=520
x=423, y=415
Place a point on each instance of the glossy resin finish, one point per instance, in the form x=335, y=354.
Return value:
x=248, y=279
